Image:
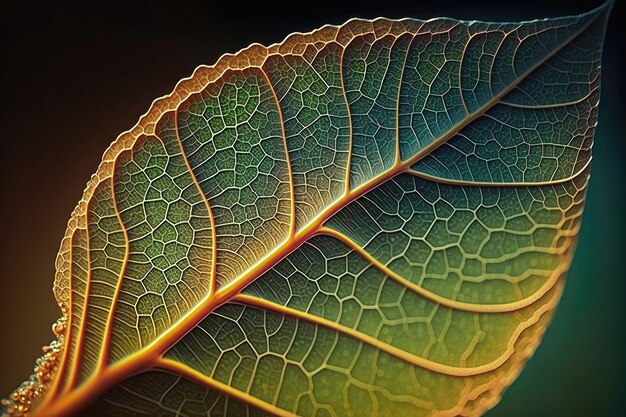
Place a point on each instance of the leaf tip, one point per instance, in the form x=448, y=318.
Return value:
x=603, y=9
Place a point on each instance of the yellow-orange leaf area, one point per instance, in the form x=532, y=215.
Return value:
x=373, y=219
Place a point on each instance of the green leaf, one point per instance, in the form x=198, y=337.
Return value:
x=373, y=219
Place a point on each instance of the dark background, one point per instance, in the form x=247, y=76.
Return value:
x=75, y=76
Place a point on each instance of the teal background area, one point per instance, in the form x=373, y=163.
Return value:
x=73, y=76
x=579, y=369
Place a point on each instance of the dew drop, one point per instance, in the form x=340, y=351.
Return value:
x=29, y=392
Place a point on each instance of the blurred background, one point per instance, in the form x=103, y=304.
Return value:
x=72, y=77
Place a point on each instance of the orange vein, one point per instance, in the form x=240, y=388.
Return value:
x=213, y=277
x=553, y=105
x=469, y=39
x=350, y=139
x=108, y=329
x=292, y=224
x=450, y=181
x=75, y=368
x=71, y=402
x=457, y=305
x=206, y=381
x=398, y=157
x=372, y=341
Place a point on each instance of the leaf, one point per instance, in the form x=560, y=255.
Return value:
x=371, y=219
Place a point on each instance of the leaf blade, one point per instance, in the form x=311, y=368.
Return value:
x=251, y=106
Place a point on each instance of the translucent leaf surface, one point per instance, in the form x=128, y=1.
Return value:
x=373, y=219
